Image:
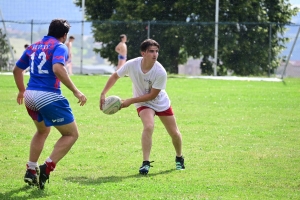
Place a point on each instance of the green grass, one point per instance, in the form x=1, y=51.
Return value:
x=240, y=141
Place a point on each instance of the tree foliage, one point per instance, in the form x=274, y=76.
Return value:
x=4, y=51
x=186, y=28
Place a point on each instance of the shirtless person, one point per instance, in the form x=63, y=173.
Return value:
x=69, y=61
x=121, y=49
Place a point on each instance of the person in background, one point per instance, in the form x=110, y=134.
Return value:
x=69, y=61
x=149, y=79
x=121, y=49
x=27, y=69
x=44, y=102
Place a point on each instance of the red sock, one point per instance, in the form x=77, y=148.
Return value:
x=50, y=167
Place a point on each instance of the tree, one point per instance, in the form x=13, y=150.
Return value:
x=4, y=52
x=185, y=28
x=256, y=35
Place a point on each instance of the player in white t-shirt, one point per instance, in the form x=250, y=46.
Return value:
x=149, y=80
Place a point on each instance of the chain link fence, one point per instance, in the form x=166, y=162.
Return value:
x=20, y=33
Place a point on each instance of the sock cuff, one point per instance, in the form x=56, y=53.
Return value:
x=50, y=166
x=32, y=165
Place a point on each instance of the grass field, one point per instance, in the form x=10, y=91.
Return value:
x=240, y=141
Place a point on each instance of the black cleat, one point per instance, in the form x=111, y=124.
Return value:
x=144, y=169
x=43, y=177
x=179, y=163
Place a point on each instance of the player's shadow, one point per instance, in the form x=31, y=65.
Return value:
x=108, y=179
x=28, y=191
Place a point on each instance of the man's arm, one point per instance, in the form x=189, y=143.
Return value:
x=62, y=74
x=147, y=97
x=111, y=81
x=117, y=49
x=120, y=49
x=19, y=80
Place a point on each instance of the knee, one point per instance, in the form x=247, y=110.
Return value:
x=75, y=136
x=43, y=132
x=175, y=134
x=149, y=128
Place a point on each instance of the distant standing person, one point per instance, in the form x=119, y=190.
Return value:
x=149, y=79
x=69, y=61
x=121, y=49
x=43, y=99
x=27, y=69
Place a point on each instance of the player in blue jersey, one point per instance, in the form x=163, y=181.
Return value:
x=43, y=99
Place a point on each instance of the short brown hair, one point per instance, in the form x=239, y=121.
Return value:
x=147, y=43
x=122, y=36
x=58, y=28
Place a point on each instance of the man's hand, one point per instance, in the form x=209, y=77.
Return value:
x=20, y=98
x=81, y=97
x=126, y=103
x=102, y=100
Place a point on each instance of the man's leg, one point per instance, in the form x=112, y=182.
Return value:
x=36, y=147
x=38, y=140
x=171, y=126
x=147, y=117
x=69, y=65
x=121, y=62
x=69, y=136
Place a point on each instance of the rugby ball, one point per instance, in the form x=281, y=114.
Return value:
x=111, y=105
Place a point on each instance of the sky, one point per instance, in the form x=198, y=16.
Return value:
x=295, y=3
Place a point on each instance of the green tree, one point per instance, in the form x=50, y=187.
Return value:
x=4, y=52
x=185, y=28
x=256, y=38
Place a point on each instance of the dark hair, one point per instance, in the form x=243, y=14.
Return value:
x=58, y=28
x=122, y=36
x=72, y=37
x=26, y=45
x=147, y=43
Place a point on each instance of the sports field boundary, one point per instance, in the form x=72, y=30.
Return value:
x=232, y=78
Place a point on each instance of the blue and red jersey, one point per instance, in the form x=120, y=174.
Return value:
x=40, y=58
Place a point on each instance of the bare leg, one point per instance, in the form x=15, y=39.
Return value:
x=171, y=126
x=69, y=136
x=120, y=63
x=147, y=117
x=38, y=141
x=70, y=69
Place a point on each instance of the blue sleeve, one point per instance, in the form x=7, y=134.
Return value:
x=60, y=54
x=23, y=62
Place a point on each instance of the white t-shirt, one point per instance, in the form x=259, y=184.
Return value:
x=142, y=83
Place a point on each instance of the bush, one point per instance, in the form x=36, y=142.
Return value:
x=4, y=52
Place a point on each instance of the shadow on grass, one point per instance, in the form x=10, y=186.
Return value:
x=22, y=193
x=107, y=179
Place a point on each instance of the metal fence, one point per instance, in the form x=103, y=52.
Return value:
x=20, y=33
x=27, y=21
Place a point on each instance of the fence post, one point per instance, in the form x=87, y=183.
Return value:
x=82, y=32
x=270, y=49
x=31, y=39
x=148, y=30
x=216, y=37
x=288, y=60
